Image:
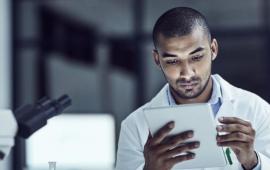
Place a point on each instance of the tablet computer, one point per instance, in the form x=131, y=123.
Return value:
x=196, y=117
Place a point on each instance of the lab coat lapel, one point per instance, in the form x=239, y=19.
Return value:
x=160, y=99
x=227, y=107
x=225, y=110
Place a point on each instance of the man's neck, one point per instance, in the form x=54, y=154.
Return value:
x=202, y=98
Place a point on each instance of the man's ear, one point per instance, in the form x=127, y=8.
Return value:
x=156, y=57
x=214, y=49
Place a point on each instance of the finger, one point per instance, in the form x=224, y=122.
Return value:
x=236, y=136
x=233, y=144
x=174, y=141
x=179, y=138
x=235, y=128
x=233, y=120
x=162, y=133
x=182, y=136
x=182, y=149
x=181, y=158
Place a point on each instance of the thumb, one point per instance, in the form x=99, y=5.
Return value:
x=149, y=138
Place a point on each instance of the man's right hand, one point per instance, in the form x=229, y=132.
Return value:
x=161, y=152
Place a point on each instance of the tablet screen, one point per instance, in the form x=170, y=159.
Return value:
x=196, y=117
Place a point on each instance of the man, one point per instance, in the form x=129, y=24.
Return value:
x=184, y=51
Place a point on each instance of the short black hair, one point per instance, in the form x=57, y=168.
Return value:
x=178, y=22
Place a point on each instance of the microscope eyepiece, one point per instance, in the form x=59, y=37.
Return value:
x=62, y=103
x=30, y=118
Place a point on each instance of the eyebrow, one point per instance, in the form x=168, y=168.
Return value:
x=165, y=54
x=197, y=50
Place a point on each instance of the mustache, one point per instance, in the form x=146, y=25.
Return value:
x=188, y=81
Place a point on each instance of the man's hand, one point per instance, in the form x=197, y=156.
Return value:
x=240, y=139
x=162, y=152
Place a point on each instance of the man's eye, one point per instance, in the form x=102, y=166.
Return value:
x=172, y=62
x=197, y=58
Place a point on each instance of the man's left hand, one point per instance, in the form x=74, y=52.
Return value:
x=240, y=138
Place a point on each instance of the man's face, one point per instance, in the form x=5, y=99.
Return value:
x=186, y=62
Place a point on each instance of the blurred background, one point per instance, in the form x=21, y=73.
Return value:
x=99, y=52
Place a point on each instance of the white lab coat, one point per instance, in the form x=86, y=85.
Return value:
x=236, y=102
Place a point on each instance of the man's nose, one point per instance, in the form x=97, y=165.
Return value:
x=187, y=72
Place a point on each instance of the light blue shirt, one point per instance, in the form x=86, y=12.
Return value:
x=215, y=101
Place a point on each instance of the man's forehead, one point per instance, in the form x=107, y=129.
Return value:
x=185, y=43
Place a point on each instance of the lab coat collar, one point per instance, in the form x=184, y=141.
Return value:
x=160, y=99
x=227, y=89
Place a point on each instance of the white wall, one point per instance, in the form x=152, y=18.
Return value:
x=5, y=54
x=5, y=74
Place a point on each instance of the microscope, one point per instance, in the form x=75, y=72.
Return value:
x=27, y=119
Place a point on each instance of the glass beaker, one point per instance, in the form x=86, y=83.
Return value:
x=52, y=165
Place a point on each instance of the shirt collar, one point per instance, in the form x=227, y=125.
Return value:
x=215, y=97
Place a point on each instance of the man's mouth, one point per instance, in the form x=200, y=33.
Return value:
x=188, y=86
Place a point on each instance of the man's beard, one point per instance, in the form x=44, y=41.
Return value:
x=193, y=79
